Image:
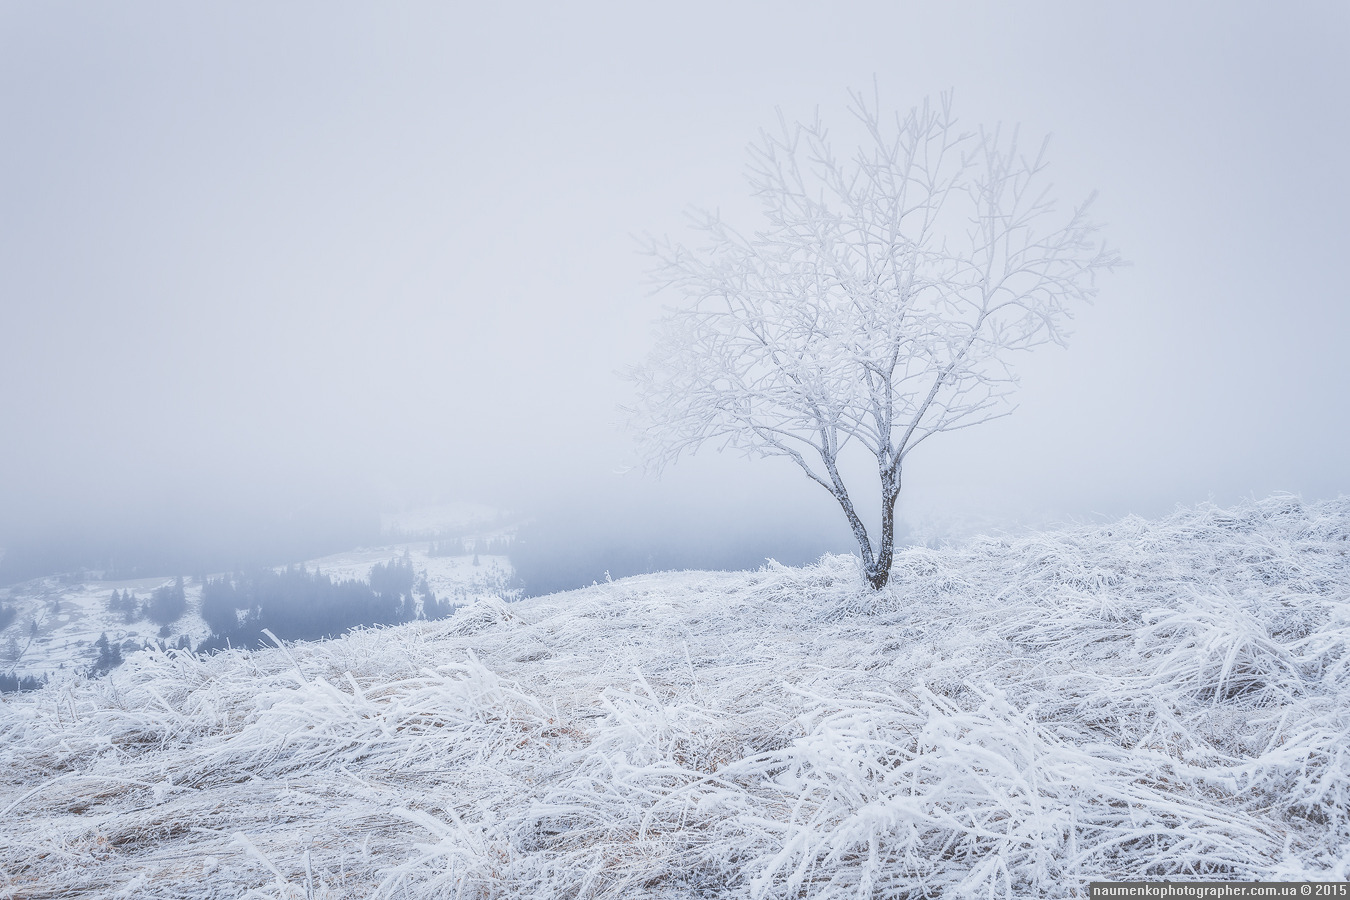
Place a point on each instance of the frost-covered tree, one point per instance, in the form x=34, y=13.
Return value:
x=167, y=604
x=879, y=303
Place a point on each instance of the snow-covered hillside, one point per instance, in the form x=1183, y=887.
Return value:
x=1008, y=718
x=58, y=619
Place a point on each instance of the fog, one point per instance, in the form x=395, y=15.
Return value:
x=267, y=270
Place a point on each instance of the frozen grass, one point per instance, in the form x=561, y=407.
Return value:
x=1010, y=718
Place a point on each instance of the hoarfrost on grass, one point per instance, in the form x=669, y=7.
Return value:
x=1010, y=717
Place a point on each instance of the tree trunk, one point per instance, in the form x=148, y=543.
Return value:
x=879, y=572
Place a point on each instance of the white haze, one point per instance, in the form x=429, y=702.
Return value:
x=318, y=256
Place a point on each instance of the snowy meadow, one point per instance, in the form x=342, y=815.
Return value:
x=1008, y=717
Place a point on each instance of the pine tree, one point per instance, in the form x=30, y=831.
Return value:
x=109, y=656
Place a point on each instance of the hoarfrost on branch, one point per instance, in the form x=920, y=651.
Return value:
x=880, y=304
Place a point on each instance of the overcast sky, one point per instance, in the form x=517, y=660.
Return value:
x=338, y=249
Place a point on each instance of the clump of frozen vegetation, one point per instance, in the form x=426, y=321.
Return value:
x=1006, y=718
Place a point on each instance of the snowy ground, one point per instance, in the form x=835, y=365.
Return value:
x=1009, y=718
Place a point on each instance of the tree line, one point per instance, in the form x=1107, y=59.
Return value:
x=296, y=604
x=164, y=606
x=10, y=683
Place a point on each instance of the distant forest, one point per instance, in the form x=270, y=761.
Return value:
x=9, y=682
x=294, y=604
x=299, y=605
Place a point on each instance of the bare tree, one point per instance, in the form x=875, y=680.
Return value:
x=879, y=305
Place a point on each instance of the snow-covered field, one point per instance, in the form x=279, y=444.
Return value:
x=1008, y=718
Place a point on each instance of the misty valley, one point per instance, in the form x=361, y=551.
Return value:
x=422, y=564
x=86, y=621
